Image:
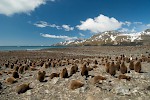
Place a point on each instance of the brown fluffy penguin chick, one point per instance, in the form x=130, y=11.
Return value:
x=124, y=77
x=137, y=67
x=16, y=67
x=0, y=73
x=15, y=74
x=123, y=68
x=45, y=65
x=107, y=66
x=32, y=68
x=73, y=70
x=136, y=58
x=117, y=65
x=96, y=79
x=22, y=88
x=64, y=73
x=148, y=60
x=116, y=58
x=140, y=60
x=21, y=69
x=11, y=65
x=41, y=76
x=84, y=71
x=74, y=84
x=59, y=63
x=119, y=60
x=95, y=66
x=1, y=86
x=53, y=64
x=6, y=64
x=54, y=75
x=112, y=69
x=76, y=61
x=95, y=62
x=10, y=80
x=3, y=71
x=26, y=67
x=131, y=65
x=89, y=68
x=127, y=60
x=9, y=72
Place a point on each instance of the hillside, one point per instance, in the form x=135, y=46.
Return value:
x=111, y=38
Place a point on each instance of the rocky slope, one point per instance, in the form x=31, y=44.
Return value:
x=112, y=38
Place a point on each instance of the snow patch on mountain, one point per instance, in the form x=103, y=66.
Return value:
x=132, y=37
x=113, y=37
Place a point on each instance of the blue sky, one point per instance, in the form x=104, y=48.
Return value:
x=46, y=22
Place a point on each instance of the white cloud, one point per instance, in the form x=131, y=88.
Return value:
x=58, y=37
x=43, y=24
x=133, y=30
x=67, y=27
x=132, y=27
x=139, y=27
x=10, y=7
x=55, y=26
x=138, y=23
x=124, y=30
x=52, y=0
x=148, y=25
x=81, y=34
x=100, y=24
x=127, y=23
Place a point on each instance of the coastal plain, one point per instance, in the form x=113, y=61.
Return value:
x=54, y=60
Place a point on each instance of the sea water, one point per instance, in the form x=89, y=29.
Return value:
x=13, y=48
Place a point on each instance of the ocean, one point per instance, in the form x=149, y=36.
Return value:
x=14, y=48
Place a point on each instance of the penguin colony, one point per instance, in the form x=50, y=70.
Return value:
x=82, y=66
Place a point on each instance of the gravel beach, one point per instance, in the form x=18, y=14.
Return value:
x=54, y=60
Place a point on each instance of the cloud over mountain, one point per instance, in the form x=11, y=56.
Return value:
x=100, y=24
x=58, y=37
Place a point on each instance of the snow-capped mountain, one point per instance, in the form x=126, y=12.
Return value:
x=76, y=42
x=112, y=38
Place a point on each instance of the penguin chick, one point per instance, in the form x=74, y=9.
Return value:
x=10, y=80
x=124, y=77
x=123, y=68
x=41, y=76
x=15, y=74
x=74, y=84
x=64, y=73
x=131, y=65
x=73, y=70
x=112, y=69
x=54, y=75
x=22, y=88
x=137, y=67
x=96, y=79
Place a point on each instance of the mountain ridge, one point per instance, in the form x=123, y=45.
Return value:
x=111, y=38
